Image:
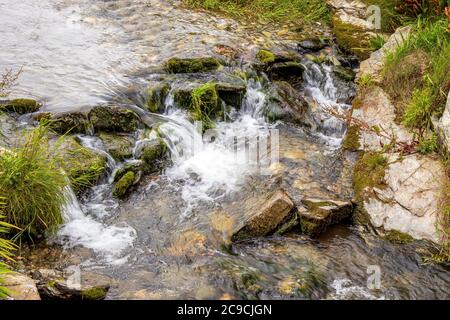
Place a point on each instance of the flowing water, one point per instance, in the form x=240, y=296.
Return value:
x=168, y=239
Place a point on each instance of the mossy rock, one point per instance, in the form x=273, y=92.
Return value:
x=113, y=119
x=398, y=237
x=351, y=141
x=266, y=56
x=156, y=97
x=94, y=293
x=344, y=73
x=182, y=98
x=73, y=122
x=196, y=65
x=123, y=185
x=83, y=166
x=119, y=146
x=20, y=106
x=153, y=155
x=286, y=70
x=136, y=167
x=352, y=38
x=205, y=104
x=314, y=44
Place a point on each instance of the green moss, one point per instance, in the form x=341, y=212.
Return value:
x=83, y=166
x=96, y=293
x=183, y=98
x=197, y=65
x=118, y=146
x=156, y=97
x=309, y=227
x=20, y=106
x=369, y=172
x=122, y=186
x=74, y=122
x=351, y=141
x=265, y=56
x=352, y=38
x=113, y=119
x=286, y=70
x=398, y=237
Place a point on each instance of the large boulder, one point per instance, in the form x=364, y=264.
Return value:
x=70, y=122
x=322, y=213
x=277, y=210
x=20, y=287
x=409, y=201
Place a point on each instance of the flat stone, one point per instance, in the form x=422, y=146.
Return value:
x=271, y=215
x=20, y=287
x=321, y=213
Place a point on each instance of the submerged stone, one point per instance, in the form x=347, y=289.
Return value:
x=196, y=65
x=113, y=119
x=20, y=106
x=273, y=214
x=313, y=44
x=153, y=154
x=321, y=213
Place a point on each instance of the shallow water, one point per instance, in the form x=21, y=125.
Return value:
x=168, y=239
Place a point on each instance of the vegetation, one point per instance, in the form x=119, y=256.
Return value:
x=351, y=142
x=205, y=104
x=176, y=65
x=6, y=249
x=398, y=237
x=265, y=56
x=32, y=184
x=122, y=186
x=301, y=12
x=419, y=72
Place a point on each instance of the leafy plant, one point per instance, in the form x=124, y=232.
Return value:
x=6, y=248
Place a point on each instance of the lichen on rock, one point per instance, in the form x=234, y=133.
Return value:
x=113, y=119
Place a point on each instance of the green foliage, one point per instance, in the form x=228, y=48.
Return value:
x=205, y=104
x=424, y=85
x=32, y=184
x=369, y=171
x=428, y=145
x=6, y=249
x=377, y=42
x=282, y=11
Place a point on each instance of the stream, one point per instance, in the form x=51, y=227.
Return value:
x=167, y=239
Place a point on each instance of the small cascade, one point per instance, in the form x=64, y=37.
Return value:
x=80, y=229
x=322, y=88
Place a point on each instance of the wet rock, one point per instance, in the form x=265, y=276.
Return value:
x=286, y=104
x=73, y=122
x=344, y=73
x=231, y=94
x=443, y=129
x=113, y=119
x=153, y=154
x=119, y=146
x=156, y=96
x=20, y=106
x=83, y=166
x=409, y=203
x=265, y=56
x=286, y=70
x=57, y=285
x=182, y=97
x=20, y=287
x=312, y=44
x=277, y=210
x=136, y=166
x=197, y=65
x=373, y=66
x=123, y=185
x=321, y=213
